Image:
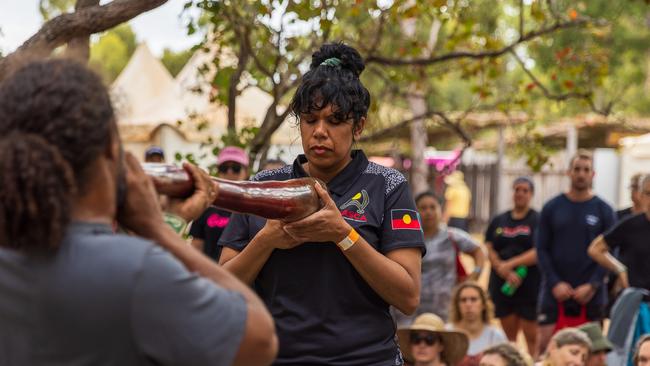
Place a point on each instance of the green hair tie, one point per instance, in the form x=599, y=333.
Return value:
x=332, y=62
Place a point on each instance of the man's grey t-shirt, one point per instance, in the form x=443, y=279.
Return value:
x=105, y=299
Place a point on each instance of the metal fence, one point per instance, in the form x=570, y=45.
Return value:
x=491, y=188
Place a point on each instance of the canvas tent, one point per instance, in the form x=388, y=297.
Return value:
x=251, y=107
x=148, y=106
x=153, y=108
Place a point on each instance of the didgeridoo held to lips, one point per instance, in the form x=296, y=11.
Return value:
x=288, y=201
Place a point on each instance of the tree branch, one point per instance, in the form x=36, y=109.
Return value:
x=544, y=89
x=586, y=96
x=378, y=33
x=242, y=62
x=85, y=22
x=521, y=18
x=272, y=122
x=79, y=48
x=476, y=55
x=396, y=127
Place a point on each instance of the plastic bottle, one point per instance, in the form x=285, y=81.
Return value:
x=508, y=289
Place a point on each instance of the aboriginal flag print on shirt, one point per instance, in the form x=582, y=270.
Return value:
x=405, y=220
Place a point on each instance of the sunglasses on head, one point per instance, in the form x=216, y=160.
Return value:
x=223, y=168
x=429, y=339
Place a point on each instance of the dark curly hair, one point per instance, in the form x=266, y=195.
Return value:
x=425, y=194
x=338, y=85
x=55, y=119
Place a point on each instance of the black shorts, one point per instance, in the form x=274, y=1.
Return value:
x=523, y=303
x=524, y=311
x=547, y=313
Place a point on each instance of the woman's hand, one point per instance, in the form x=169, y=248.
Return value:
x=205, y=192
x=274, y=234
x=513, y=279
x=325, y=225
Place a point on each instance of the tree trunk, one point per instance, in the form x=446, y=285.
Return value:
x=233, y=92
x=419, y=141
x=418, y=106
x=271, y=123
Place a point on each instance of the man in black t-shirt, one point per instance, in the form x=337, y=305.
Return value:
x=232, y=164
x=635, y=197
x=632, y=237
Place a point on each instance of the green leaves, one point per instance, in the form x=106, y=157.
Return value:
x=221, y=82
x=589, y=59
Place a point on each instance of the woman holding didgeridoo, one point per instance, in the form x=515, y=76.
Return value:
x=330, y=278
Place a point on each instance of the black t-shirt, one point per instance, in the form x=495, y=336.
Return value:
x=632, y=237
x=209, y=228
x=621, y=214
x=325, y=312
x=510, y=238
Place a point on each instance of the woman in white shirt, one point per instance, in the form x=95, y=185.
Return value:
x=472, y=312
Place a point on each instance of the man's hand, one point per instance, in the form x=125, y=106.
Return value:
x=563, y=291
x=205, y=192
x=584, y=293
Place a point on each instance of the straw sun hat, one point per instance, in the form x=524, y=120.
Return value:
x=455, y=342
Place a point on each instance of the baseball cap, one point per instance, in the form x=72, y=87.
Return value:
x=154, y=150
x=232, y=153
x=595, y=334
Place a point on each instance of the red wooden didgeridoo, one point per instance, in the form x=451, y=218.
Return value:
x=288, y=201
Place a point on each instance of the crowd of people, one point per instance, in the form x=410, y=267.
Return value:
x=373, y=278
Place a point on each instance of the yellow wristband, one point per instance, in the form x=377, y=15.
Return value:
x=349, y=240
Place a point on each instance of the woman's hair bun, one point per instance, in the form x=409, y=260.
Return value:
x=350, y=58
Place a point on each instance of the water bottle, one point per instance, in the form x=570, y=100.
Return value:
x=508, y=289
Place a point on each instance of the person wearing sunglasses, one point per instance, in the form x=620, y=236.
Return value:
x=426, y=342
x=232, y=164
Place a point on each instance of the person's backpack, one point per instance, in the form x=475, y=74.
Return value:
x=461, y=273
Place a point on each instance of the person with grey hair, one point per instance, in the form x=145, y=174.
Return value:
x=568, y=347
x=631, y=237
x=642, y=351
x=504, y=354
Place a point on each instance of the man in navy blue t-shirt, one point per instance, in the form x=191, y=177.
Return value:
x=572, y=283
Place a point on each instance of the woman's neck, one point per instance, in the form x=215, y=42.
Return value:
x=431, y=231
x=473, y=328
x=435, y=362
x=325, y=175
x=519, y=213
